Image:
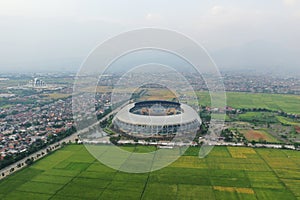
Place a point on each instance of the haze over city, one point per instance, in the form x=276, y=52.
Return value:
x=58, y=35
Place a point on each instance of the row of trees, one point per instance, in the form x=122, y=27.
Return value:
x=279, y=112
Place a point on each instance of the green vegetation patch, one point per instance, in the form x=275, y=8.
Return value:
x=52, y=179
x=138, y=148
x=287, y=121
x=99, y=167
x=194, y=192
x=20, y=195
x=77, y=166
x=293, y=185
x=120, y=194
x=273, y=194
x=98, y=175
x=88, y=182
x=225, y=195
x=258, y=117
x=80, y=191
x=61, y=172
x=239, y=100
x=226, y=173
x=189, y=162
x=140, y=178
x=26, y=174
x=9, y=185
x=160, y=190
x=46, y=188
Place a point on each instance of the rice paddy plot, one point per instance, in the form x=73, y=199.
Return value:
x=226, y=173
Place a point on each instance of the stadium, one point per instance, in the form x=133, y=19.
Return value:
x=156, y=118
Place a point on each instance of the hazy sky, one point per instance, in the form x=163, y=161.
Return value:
x=59, y=34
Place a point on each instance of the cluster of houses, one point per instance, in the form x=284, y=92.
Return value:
x=251, y=82
x=23, y=124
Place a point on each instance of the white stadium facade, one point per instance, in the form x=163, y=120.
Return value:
x=156, y=118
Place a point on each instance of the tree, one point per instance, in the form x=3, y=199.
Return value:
x=115, y=140
x=29, y=161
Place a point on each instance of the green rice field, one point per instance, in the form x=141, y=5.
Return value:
x=286, y=103
x=226, y=173
x=287, y=121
